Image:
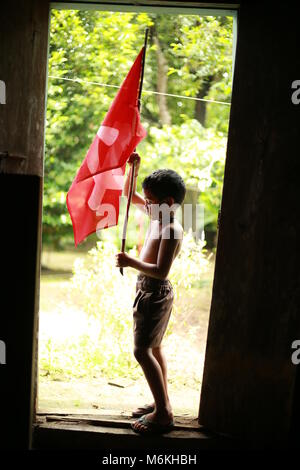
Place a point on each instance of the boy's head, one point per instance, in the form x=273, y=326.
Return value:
x=164, y=186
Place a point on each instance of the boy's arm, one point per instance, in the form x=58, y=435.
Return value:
x=167, y=249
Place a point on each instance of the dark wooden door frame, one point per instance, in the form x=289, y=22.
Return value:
x=250, y=386
x=249, y=380
x=182, y=6
x=23, y=64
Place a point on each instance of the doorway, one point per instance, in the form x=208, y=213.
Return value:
x=67, y=270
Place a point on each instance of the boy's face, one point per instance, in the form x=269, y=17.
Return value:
x=152, y=205
x=150, y=199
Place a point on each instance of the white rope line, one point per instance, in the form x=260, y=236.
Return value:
x=78, y=80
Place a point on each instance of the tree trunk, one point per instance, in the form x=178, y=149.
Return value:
x=162, y=82
x=200, y=108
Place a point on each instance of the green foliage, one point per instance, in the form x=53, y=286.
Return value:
x=200, y=57
x=96, y=46
x=196, y=153
x=103, y=341
x=189, y=266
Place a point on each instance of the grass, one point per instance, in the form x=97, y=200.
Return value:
x=61, y=315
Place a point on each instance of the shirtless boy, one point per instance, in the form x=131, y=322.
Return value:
x=164, y=191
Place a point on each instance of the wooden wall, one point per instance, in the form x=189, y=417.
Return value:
x=250, y=385
x=23, y=65
x=249, y=380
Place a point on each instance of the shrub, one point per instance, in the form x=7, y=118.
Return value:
x=104, y=345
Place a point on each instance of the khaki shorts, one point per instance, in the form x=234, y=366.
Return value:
x=151, y=310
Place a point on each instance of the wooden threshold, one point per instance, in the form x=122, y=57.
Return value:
x=95, y=432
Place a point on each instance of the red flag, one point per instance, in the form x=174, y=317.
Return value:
x=93, y=198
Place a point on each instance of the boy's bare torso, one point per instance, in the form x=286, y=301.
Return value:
x=152, y=241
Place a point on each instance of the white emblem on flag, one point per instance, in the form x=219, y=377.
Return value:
x=108, y=135
x=113, y=179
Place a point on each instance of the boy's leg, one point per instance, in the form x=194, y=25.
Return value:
x=154, y=377
x=159, y=355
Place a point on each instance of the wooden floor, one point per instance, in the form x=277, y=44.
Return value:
x=94, y=432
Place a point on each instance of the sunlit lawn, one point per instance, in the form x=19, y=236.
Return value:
x=62, y=316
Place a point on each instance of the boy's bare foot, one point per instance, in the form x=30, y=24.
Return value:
x=162, y=418
x=142, y=410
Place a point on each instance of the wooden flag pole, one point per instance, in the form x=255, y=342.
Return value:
x=133, y=164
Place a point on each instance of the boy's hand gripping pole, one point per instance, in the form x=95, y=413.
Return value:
x=132, y=170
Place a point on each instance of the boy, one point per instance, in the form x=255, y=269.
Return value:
x=164, y=191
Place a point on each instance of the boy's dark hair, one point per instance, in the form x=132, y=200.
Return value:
x=165, y=182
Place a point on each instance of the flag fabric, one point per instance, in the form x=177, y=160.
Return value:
x=93, y=198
